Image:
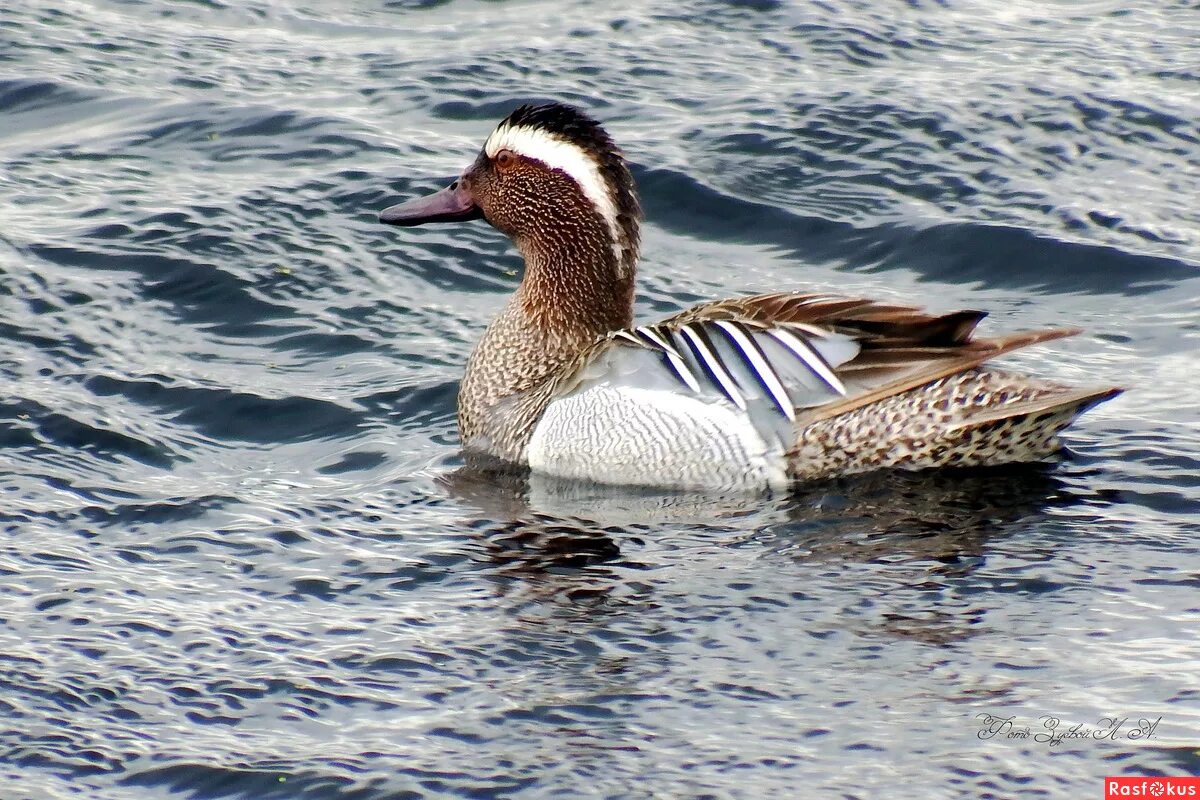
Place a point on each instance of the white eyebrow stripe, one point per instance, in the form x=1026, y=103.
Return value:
x=558, y=153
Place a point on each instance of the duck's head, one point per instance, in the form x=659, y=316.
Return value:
x=552, y=180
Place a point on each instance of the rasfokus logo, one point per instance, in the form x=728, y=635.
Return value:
x=1161, y=787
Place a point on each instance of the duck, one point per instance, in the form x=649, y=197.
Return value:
x=755, y=393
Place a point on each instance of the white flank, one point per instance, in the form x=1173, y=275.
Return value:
x=561, y=154
x=649, y=437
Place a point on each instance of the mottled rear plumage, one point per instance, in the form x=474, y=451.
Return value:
x=973, y=418
x=745, y=393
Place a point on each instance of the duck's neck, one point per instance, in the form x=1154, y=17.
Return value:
x=574, y=291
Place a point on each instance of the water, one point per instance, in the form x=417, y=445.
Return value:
x=238, y=561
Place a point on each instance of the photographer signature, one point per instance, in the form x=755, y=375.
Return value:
x=1054, y=731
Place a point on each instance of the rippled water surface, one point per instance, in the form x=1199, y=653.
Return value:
x=238, y=560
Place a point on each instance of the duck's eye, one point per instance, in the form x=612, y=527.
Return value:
x=505, y=159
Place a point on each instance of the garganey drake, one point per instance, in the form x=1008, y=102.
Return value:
x=749, y=393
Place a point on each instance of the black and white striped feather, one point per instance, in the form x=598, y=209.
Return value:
x=791, y=365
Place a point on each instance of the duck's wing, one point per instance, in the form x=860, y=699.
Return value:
x=798, y=356
x=715, y=396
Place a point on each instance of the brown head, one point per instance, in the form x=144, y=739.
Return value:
x=552, y=180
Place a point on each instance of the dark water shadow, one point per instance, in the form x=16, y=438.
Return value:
x=582, y=551
x=992, y=254
x=946, y=515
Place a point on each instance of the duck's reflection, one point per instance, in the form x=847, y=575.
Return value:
x=945, y=516
x=569, y=553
